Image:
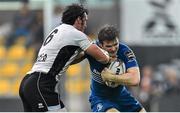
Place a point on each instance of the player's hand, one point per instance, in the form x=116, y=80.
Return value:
x=107, y=75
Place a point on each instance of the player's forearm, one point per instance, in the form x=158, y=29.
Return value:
x=79, y=58
x=131, y=77
x=77, y=61
x=102, y=56
x=128, y=79
x=99, y=54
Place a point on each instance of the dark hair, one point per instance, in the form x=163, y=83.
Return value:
x=107, y=33
x=72, y=12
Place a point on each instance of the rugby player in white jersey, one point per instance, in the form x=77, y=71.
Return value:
x=58, y=51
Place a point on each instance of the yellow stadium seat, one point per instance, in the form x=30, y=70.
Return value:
x=16, y=53
x=24, y=69
x=31, y=54
x=1, y=70
x=10, y=69
x=5, y=87
x=74, y=70
x=74, y=86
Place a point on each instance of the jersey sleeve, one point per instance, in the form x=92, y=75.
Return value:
x=87, y=55
x=129, y=57
x=83, y=41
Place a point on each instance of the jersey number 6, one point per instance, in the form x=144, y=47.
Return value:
x=49, y=38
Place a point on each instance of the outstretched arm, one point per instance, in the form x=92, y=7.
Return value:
x=79, y=58
x=131, y=77
x=98, y=53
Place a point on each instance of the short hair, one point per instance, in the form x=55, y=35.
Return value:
x=72, y=12
x=108, y=32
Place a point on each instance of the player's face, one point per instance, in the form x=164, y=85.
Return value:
x=83, y=23
x=111, y=46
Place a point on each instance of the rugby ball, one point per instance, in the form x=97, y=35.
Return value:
x=117, y=67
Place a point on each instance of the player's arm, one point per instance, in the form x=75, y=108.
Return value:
x=131, y=77
x=98, y=53
x=79, y=58
x=92, y=49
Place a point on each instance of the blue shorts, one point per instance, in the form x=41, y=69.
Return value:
x=125, y=104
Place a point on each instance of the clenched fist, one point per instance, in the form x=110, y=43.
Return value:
x=107, y=75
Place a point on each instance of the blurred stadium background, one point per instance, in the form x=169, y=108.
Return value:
x=150, y=27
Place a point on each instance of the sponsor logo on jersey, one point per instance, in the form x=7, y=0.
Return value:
x=99, y=107
x=42, y=58
x=40, y=105
x=130, y=55
x=96, y=72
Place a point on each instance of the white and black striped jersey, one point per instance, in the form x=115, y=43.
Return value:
x=59, y=49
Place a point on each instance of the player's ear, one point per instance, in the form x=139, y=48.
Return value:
x=79, y=20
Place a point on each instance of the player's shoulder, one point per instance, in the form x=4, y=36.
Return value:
x=126, y=52
x=124, y=47
x=78, y=33
x=71, y=30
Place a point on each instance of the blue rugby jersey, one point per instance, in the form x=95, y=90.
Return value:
x=98, y=87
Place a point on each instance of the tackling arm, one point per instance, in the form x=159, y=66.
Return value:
x=131, y=77
x=98, y=53
x=79, y=58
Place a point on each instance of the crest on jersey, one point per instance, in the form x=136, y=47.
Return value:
x=130, y=55
x=99, y=106
x=40, y=105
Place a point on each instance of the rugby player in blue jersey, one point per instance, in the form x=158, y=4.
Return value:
x=107, y=99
